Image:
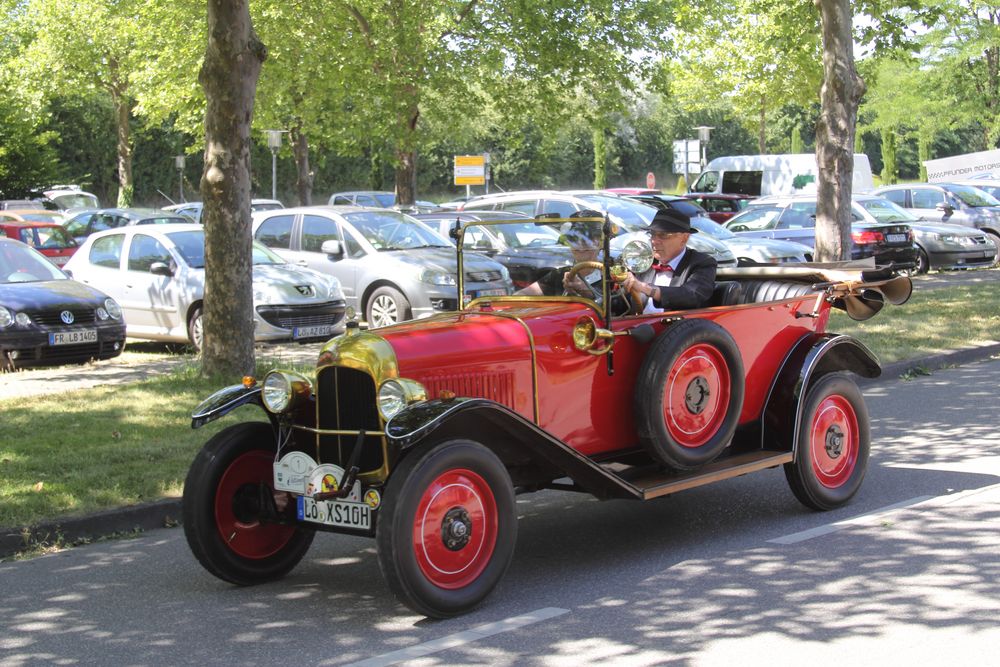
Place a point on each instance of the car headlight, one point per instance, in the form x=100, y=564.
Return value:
x=281, y=390
x=437, y=277
x=114, y=310
x=334, y=291
x=394, y=395
x=957, y=240
x=6, y=319
x=504, y=273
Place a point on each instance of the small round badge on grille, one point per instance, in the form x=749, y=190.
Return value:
x=66, y=316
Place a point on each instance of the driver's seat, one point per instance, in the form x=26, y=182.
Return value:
x=726, y=293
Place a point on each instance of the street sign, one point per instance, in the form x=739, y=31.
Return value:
x=470, y=169
x=651, y=181
x=687, y=156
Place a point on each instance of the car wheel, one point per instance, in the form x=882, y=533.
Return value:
x=196, y=329
x=386, y=306
x=833, y=442
x=996, y=241
x=689, y=394
x=225, y=517
x=923, y=262
x=447, y=527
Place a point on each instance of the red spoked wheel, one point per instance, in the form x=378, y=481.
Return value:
x=833, y=444
x=689, y=394
x=455, y=529
x=447, y=527
x=228, y=509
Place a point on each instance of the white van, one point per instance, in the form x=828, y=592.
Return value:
x=765, y=175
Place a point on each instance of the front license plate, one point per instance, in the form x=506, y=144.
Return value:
x=73, y=337
x=895, y=238
x=311, y=332
x=490, y=292
x=335, y=513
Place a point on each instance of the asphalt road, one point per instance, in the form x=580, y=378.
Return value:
x=733, y=573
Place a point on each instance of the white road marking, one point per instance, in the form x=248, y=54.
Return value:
x=840, y=525
x=461, y=638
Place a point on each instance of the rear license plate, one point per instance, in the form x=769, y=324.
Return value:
x=311, y=332
x=73, y=337
x=895, y=238
x=335, y=513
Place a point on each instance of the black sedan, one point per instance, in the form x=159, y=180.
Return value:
x=526, y=249
x=46, y=319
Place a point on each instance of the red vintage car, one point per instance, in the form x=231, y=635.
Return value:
x=421, y=434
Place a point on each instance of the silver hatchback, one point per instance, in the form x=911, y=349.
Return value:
x=391, y=266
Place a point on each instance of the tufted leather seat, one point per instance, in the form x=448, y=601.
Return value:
x=759, y=291
x=726, y=293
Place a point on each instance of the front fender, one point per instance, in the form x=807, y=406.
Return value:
x=812, y=357
x=225, y=401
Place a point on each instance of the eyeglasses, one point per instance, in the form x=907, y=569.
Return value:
x=664, y=236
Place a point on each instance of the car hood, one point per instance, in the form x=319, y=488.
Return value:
x=441, y=259
x=49, y=294
x=944, y=228
x=292, y=284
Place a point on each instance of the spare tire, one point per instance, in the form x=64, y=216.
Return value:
x=689, y=394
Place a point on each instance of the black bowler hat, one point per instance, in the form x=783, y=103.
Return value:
x=669, y=220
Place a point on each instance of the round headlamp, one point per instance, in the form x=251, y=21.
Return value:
x=280, y=389
x=114, y=310
x=391, y=398
x=6, y=319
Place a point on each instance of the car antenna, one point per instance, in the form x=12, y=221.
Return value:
x=172, y=202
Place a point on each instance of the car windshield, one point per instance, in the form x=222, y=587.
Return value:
x=754, y=218
x=627, y=212
x=75, y=200
x=389, y=230
x=884, y=210
x=974, y=197
x=191, y=247
x=263, y=255
x=526, y=234
x=712, y=228
x=164, y=220
x=386, y=199
x=21, y=264
x=43, y=216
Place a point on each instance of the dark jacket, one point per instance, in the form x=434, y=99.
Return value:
x=691, y=285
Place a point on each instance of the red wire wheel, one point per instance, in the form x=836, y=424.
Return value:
x=447, y=527
x=237, y=508
x=227, y=525
x=689, y=394
x=455, y=529
x=832, y=444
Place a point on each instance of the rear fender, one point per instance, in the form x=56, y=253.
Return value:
x=225, y=401
x=814, y=356
x=533, y=457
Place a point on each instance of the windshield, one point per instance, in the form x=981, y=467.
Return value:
x=389, y=230
x=973, y=196
x=712, y=228
x=264, y=255
x=191, y=246
x=627, y=212
x=754, y=218
x=385, y=199
x=43, y=216
x=21, y=264
x=526, y=235
x=884, y=210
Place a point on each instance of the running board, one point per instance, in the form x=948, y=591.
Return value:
x=662, y=484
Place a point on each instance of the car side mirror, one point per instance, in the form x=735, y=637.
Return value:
x=160, y=269
x=332, y=247
x=945, y=207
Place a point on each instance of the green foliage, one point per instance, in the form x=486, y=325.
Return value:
x=797, y=145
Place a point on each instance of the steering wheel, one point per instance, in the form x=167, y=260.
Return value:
x=577, y=268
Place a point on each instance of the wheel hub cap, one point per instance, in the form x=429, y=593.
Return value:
x=834, y=441
x=456, y=529
x=696, y=396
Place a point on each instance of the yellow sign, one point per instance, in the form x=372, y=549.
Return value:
x=470, y=169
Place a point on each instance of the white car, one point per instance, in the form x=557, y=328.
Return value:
x=157, y=274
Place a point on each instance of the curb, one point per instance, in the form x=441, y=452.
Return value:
x=166, y=513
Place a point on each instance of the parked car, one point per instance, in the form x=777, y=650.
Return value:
x=84, y=223
x=32, y=215
x=192, y=209
x=526, y=249
x=48, y=238
x=990, y=186
x=157, y=274
x=46, y=319
x=939, y=245
x=419, y=435
x=392, y=267
x=793, y=218
x=19, y=204
x=948, y=202
x=720, y=207
x=376, y=199
x=65, y=197
x=628, y=214
x=747, y=250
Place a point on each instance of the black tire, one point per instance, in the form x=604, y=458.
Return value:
x=196, y=329
x=833, y=443
x=219, y=506
x=689, y=394
x=461, y=484
x=996, y=241
x=386, y=306
x=923, y=262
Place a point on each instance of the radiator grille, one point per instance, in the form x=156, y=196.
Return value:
x=346, y=401
x=51, y=318
x=289, y=317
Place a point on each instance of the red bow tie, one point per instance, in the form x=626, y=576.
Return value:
x=663, y=267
